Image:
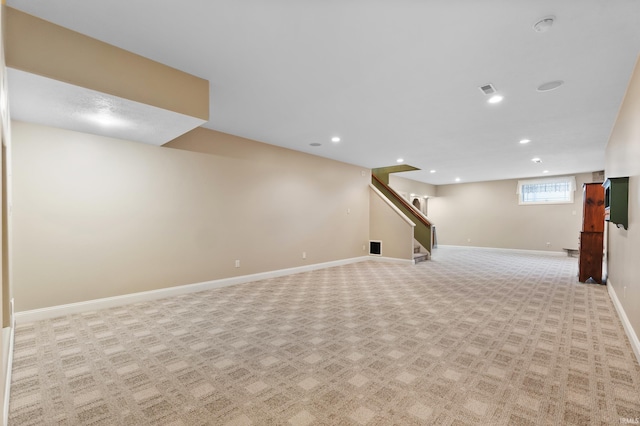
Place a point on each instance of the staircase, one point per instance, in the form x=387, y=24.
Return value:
x=422, y=231
x=419, y=256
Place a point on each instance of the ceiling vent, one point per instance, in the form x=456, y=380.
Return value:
x=488, y=89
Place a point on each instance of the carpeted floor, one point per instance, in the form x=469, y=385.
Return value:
x=472, y=337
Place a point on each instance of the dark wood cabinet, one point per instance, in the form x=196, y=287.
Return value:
x=593, y=207
x=590, y=256
x=591, y=237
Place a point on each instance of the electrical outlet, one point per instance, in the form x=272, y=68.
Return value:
x=238, y=263
x=548, y=245
x=348, y=211
x=468, y=240
x=364, y=247
x=304, y=254
x=624, y=295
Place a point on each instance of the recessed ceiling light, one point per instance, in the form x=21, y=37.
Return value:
x=315, y=144
x=495, y=99
x=545, y=171
x=457, y=179
x=550, y=85
x=524, y=141
x=335, y=139
x=544, y=24
x=399, y=160
x=536, y=160
x=432, y=171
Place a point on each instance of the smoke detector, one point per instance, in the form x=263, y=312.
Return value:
x=544, y=24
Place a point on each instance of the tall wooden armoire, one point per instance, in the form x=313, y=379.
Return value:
x=591, y=237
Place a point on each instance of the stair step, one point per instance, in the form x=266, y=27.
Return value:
x=420, y=257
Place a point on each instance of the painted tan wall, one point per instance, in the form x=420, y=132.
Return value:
x=43, y=48
x=386, y=225
x=5, y=293
x=406, y=186
x=488, y=214
x=410, y=186
x=623, y=159
x=97, y=217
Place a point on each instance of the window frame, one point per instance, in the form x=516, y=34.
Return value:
x=571, y=180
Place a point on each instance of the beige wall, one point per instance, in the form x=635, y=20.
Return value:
x=409, y=186
x=43, y=48
x=97, y=217
x=623, y=159
x=5, y=291
x=488, y=214
x=387, y=224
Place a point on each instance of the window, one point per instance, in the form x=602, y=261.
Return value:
x=556, y=190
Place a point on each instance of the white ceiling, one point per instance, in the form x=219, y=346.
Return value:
x=54, y=103
x=392, y=78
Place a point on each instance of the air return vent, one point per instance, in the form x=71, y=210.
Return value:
x=375, y=248
x=488, y=89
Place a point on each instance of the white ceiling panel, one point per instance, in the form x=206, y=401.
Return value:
x=392, y=78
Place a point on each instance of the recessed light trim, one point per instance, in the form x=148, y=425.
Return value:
x=399, y=160
x=536, y=160
x=550, y=85
x=545, y=171
x=335, y=139
x=432, y=171
x=495, y=99
x=457, y=179
x=525, y=141
x=315, y=144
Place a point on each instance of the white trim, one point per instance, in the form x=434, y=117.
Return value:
x=626, y=324
x=109, y=302
x=8, y=333
x=571, y=180
x=377, y=258
x=393, y=206
x=552, y=253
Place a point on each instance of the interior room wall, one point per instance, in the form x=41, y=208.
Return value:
x=5, y=290
x=96, y=217
x=487, y=214
x=403, y=185
x=622, y=159
x=390, y=227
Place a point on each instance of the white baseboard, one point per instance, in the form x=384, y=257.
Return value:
x=552, y=253
x=377, y=258
x=628, y=328
x=110, y=302
x=8, y=334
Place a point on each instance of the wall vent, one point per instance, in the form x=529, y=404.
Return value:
x=375, y=248
x=597, y=176
x=488, y=89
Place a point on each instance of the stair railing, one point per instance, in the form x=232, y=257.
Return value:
x=423, y=227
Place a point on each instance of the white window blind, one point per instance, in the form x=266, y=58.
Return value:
x=556, y=190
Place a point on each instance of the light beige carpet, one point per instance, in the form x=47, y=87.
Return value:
x=472, y=337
